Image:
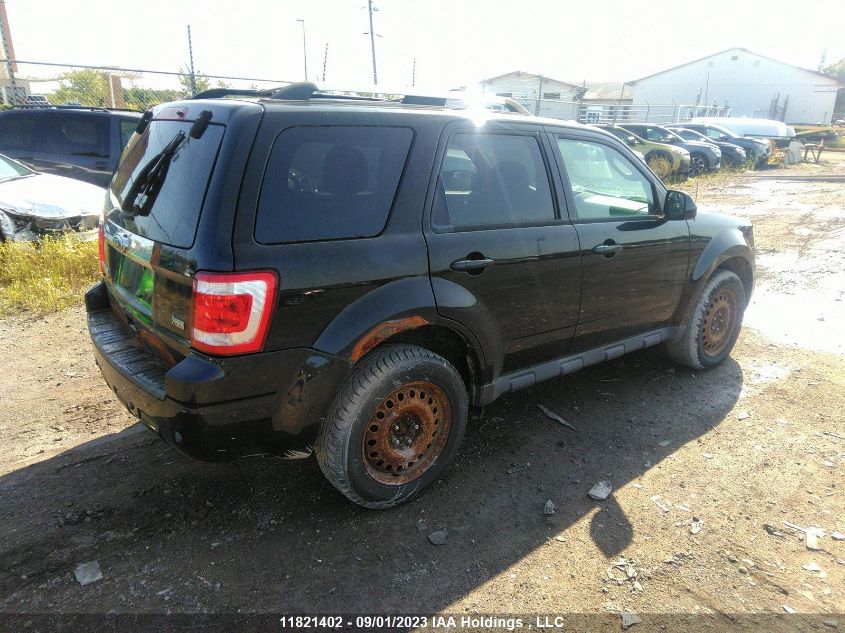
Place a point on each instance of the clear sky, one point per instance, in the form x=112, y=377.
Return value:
x=455, y=42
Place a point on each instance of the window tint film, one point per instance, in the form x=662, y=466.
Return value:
x=492, y=180
x=605, y=184
x=75, y=135
x=325, y=183
x=172, y=214
x=16, y=133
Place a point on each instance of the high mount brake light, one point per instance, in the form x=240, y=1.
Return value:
x=232, y=311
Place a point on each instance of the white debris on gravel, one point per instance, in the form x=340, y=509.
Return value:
x=89, y=572
x=629, y=619
x=438, y=538
x=554, y=416
x=549, y=508
x=600, y=491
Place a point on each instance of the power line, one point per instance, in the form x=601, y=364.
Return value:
x=146, y=70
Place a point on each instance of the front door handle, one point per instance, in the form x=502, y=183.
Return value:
x=474, y=265
x=608, y=249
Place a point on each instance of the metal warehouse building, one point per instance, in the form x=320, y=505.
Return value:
x=747, y=83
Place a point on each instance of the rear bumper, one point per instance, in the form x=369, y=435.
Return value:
x=213, y=408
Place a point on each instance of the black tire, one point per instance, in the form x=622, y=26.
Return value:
x=342, y=448
x=697, y=164
x=714, y=323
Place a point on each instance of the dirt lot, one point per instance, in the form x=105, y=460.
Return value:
x=700, y=463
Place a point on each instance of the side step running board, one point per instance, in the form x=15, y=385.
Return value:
x=523, y=378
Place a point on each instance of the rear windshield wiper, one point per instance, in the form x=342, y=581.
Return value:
x=148, y=184
x=146, y=187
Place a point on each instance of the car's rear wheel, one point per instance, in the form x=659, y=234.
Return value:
x=395, y=426
x=660, y=163
x=714, y=324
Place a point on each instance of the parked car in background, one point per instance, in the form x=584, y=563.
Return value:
x=770, y=129
x=703, y=156
x=756, y=150
x=34, y=205
x=80, y=143
x=732, y=154
x=667, y=161
x=302, y=273
x=36, y=100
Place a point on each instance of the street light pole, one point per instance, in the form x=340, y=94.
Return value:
x=304, y=49
x=372, y=41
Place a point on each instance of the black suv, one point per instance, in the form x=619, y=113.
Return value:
x=303, y=273
x=81, y=143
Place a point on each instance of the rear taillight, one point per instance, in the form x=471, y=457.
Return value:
x=101, y=237
x=232, y=311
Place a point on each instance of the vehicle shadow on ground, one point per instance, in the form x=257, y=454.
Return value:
x=268, y=535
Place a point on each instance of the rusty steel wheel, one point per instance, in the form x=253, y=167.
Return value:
x=718, y=325
x=714, y=323
x=406, y=433
x=394, y=427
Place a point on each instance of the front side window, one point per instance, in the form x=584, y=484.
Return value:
x=489, y=180
x=606, y=185
x=324, y=183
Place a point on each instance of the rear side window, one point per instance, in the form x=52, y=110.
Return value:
x=75, y=135
x=489, y=180
x=17, y=133
x=324, y=183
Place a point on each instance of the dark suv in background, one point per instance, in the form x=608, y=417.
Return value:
x=703, y=156
x=756, y=150
x=295, y=272
x=81, y=143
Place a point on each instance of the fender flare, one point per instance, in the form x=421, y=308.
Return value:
x=397, y=306
x=728, y=244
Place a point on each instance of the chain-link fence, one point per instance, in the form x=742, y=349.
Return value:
x=618, y=112
x=24, y=83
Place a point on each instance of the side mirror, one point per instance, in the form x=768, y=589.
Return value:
x=679, y=206
x=631, y=140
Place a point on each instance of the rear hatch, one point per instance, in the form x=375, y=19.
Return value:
x=153, y=210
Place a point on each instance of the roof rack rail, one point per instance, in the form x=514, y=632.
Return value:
x=306, y=90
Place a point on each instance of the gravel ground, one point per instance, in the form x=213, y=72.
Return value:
x=711, y=474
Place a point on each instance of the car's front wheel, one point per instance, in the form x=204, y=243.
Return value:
x=395, y=426
x=714, y=324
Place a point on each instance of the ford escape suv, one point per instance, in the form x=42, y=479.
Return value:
x=299, y=273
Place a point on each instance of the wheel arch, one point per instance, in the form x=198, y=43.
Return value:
x=726, y=251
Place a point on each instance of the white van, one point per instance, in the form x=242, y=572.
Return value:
x=760, y=128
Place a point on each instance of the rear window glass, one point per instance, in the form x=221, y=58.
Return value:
x=324, y=183
x=174, y=212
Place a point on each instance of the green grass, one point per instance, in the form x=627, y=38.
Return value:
x=46, y=276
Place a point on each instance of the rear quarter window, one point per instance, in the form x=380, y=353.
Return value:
x=324, y=183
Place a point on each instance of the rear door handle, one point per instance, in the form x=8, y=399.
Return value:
x=608, y=249
x=465, y=265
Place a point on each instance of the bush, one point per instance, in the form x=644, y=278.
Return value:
x=46, y=276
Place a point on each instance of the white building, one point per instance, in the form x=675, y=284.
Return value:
x=749, y=84
x=537, y=93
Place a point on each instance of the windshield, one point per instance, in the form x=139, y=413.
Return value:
x=10, y=169
x=725, y=131
x=161, y=181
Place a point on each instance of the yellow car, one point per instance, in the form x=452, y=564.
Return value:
x=664, y=160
